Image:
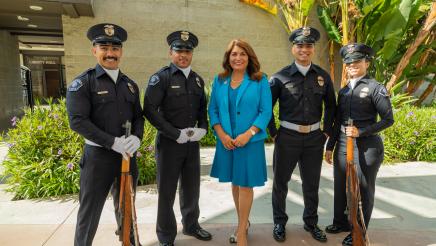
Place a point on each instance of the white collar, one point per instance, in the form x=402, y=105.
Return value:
x=303, y=69
x=353, y=81
x=112, y=73
x=185, y=71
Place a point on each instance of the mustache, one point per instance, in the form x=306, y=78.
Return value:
x=111, y=57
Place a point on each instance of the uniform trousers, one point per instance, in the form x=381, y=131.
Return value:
x=100, y=171
x=306, y=149
x=177, y=162
x=368, y=156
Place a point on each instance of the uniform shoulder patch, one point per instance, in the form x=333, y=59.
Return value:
x=383, y=92
x=75, y=85
x=154, y=80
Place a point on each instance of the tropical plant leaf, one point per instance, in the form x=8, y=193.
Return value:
x=331, y=28
x=306, y=6
x=369, y=7
x=390, y=47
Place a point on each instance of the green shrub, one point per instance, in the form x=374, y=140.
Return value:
x=146, y=156
x=413, y=135
x=44, y=154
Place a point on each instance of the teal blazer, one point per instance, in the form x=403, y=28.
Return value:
x=253, y=106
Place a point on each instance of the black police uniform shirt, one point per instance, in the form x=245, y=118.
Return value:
x=98, y=107
x=362, y=104
x=174, y=102
x=301, y=97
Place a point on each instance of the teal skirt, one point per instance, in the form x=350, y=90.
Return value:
x=244, y=166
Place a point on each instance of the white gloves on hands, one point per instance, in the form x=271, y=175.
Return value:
x=191, y=135
x=198, y=134
x=118, y=146
x=183, y=137
x=131, y=144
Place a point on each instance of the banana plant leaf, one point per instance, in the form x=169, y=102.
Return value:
x=421, y=73
x=328, y=24
x=306, y=6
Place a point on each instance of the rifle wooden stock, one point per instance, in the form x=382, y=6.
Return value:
x=127, y=202
x=354, y=205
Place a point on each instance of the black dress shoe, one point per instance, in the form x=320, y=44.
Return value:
x=317, y=233
x=200, y=234
x=279, y=232
x=166, y=244
x=348, y=240
x=333, y=229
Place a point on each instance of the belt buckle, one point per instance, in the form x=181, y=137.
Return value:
x=304, y=129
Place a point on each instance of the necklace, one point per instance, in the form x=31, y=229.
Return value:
x=237, y=81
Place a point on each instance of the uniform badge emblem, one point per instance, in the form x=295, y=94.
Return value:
x=184, y=35
x=153, y=80
x=109, y=30
x=320, y=81
x=363, y=94
x=131, y=88
x=75, y=85
x=198, y=82
x=306, y=31
x=350, y=49
x=365, y=89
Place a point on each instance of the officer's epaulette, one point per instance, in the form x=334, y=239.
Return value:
x=282, y=75
x=84, y=77
x=85, y=73
x=127, y=78
x=163, y=69
x=319, y=70
x=371, y=80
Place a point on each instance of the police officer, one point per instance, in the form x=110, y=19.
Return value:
x=302, y=89
x=99, y=102
x=175, y=103
x=361, y=100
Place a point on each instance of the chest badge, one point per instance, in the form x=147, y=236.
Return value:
x=363, y=94
x=198, y=82
x=320, y=81
x=365, y=89
x=131, y=88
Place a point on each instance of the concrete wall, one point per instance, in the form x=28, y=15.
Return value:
x=215, y=22
x=11, y=97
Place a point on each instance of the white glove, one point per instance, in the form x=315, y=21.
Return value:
x=118, y=146
x=183, y=137
x=198, y=134
x=131, y=144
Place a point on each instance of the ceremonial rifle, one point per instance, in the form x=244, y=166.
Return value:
x=127, y=200
x=354, y=203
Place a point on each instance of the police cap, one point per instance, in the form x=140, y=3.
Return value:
x=308, y=35
x=356, y=52
x=107, y=33
x=182, y=40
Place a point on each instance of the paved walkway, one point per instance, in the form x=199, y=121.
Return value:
x=404, y=214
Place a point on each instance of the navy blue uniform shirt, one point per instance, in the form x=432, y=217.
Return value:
x=363, y=103
x=97, y=107
x=301, y=98
x=174, y=102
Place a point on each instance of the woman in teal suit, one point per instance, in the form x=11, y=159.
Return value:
x=239, y=111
